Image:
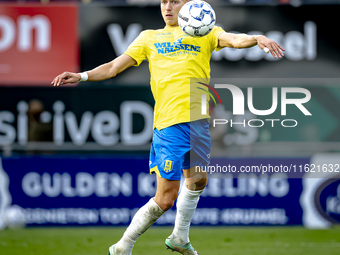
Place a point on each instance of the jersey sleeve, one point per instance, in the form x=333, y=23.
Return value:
x=137, y=49
x=214, y=34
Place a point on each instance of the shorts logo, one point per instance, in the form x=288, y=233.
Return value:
x=167, y=166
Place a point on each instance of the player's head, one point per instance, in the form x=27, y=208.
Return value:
x=170, y=10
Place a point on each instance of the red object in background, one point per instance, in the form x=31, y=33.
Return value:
x=37, y=43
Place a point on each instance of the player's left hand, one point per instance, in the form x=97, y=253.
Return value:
x=275, y=49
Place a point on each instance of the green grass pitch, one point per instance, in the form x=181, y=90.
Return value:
x=206, y=240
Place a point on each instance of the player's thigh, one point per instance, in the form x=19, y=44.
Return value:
x=200, y=145
x=166, y=194
x=195, y=178
x=167, y=152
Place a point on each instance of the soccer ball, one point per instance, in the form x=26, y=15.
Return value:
x=14, y=217
x=196, y=18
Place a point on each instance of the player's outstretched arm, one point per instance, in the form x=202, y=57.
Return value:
x=99, y=73
x=240, y=41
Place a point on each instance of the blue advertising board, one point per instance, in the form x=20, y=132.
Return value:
x=107, y=190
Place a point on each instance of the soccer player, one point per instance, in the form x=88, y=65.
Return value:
x=180, y=141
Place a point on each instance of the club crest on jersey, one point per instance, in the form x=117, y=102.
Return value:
x=168, y=166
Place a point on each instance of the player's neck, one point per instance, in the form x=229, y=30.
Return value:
x=171, y=26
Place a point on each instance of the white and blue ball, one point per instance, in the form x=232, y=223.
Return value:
x=196, y=18
x=14, y=217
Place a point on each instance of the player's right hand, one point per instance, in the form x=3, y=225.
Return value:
x=64, y=78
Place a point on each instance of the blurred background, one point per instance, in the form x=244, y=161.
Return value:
x=78, y=155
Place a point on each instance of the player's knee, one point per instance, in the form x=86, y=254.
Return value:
x=166, y=204
x=201, y=185
x=195, y=185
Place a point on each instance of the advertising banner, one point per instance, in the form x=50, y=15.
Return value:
x=309, y=41
x=37, y=43
x=107, y=190
x=116, y=118
x=78, y=118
